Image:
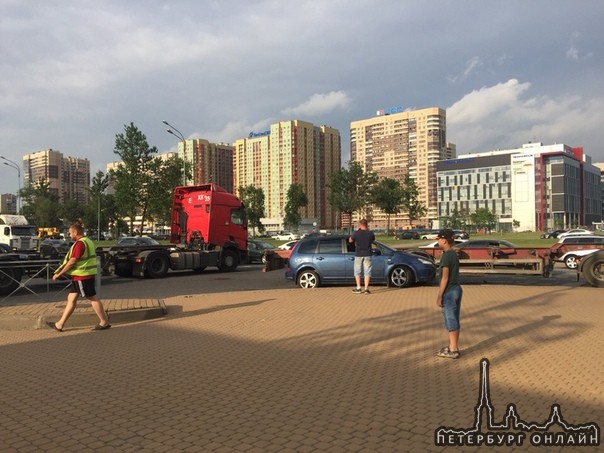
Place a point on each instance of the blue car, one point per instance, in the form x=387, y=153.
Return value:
x=324, y=260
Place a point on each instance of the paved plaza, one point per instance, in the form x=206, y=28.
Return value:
x=291, y=370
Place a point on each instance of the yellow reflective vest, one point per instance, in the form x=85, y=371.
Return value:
x=86, y=265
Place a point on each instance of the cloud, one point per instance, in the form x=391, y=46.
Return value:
x=573, y=53
x=504, y=116
x=472, y=65
x=319, y=104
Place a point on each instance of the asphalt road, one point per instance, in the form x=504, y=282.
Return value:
x=246, y=278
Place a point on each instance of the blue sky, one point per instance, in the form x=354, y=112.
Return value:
x=508, y=72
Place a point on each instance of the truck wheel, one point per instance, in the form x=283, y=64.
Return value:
x=593, y=269
x=157, y=266
x=10, y=278
x=123, y=269
x=228, y=261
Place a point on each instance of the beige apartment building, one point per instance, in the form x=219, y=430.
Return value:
x=396, y=142
x=290, y=152
x=68, y=177
x=208, y=162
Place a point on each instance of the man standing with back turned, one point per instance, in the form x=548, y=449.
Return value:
x=80, y=264
x=362, y=238
x=449, y=293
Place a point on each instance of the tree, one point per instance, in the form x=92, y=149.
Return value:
x=41, y=206
x=483, y=218
x=414, y=208
x=253, y=202
x=350, y=190
x=296, y=199
x=133, y=176
x=167, y=175
x=95, y=214
x=388, y=196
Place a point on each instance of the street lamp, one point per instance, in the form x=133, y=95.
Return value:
x=176, y=133
x=14, y=165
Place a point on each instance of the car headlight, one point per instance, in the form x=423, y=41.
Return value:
x=425, y=261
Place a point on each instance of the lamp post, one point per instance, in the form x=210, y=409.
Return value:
x=176, y=133
x=14, y=165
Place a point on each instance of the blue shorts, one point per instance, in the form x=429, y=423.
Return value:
x=362, y=266
x=451, y=307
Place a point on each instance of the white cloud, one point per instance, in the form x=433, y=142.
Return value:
x=503, y=116
x=319, y=104
x=472, y=66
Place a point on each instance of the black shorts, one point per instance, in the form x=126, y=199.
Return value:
x=85, y=288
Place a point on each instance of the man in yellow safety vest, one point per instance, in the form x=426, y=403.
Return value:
x=80, y=264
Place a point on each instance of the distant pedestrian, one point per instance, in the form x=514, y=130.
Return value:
x=362, y=238
x=80, y=264
x=449, y=292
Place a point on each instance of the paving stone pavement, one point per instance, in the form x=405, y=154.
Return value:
x=302, y=371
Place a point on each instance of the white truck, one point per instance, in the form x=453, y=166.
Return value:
x=16, y=232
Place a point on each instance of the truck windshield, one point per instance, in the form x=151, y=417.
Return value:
x=23, y=231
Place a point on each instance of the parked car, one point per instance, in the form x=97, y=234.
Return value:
x=54, y=248
x=136, y=240
x=552, y=234
x=429, y=234
x=461, y=234
x=570, y=249
x=434, y=245
x=288, y=245
x=573, y=258
x=485, y=243
x=255, y=250
x=327, y=260
x=575, y=232
x=286, y=237
x=408, y=234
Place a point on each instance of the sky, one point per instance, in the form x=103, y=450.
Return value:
x=75, y=73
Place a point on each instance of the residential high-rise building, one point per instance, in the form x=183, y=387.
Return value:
x=395, y=143
x=8, y=203
x=291, y=152
x=67, y=177
x=208, y=162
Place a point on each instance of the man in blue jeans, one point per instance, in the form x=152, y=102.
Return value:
x=362, y=238
x=449, y=292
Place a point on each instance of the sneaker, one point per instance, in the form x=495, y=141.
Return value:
x=357, y=291
x=447, y=353
x=366, y=291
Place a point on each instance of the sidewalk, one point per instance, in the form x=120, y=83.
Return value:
x=294, y=370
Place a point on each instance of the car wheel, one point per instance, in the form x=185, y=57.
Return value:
x=401, y=277
x=308, y=279
x=571, y=262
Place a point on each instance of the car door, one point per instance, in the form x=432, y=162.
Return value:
x=330, y=260
x=380, y=258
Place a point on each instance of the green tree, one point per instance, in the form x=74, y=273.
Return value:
x=167, y=175
x=134, y=176
x=40, y=205
x=388, y=196
x=96, y=214
x=253, y=200
x=350, y=190
x=414, y=208
x=483, y=218
x=296, y=199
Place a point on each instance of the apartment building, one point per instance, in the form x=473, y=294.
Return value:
x=291, y=152
x=539, y=186
x=208, y=162
x=397, y=142
x=67, y=177
x=8, y=203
